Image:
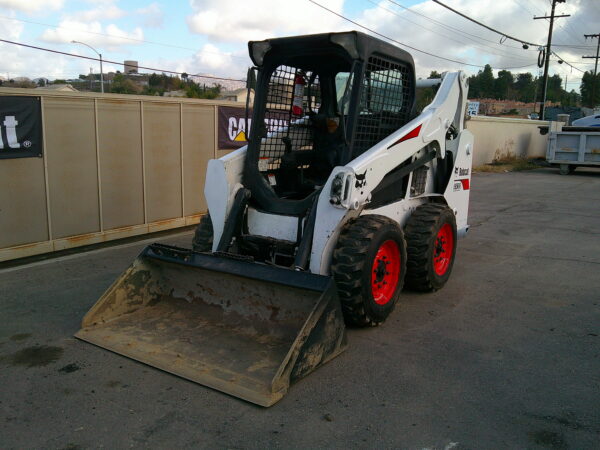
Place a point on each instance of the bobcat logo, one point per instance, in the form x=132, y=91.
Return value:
x=461, y=172
x=360, y=180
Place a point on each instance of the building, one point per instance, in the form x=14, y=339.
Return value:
x=237, y=95
x=130, y=67
x=179, y=93
x=493, y=107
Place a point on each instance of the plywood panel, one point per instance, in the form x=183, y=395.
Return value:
x=120, y=144
x=162, y=146
x=198, y=148
x=72, y=169
x=22, y=202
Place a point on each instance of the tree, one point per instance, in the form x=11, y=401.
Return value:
x=434, y=74
x=504, y=85
x=122, y=85
x=587, y=86
x=554, y=91
x=525, y=87
x=194, y=90
x=474, y=90
x=486, y=82
x=571, y=99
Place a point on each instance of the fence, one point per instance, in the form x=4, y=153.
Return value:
x=116, y=166
x=113, y=166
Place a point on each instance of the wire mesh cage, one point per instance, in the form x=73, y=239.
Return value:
x=291, y=94
x=384, y=103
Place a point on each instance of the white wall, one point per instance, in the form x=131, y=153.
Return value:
x=498, y=138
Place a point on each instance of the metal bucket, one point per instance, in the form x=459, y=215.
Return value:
x=243, y=328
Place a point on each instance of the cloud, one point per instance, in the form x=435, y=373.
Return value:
x=30, y=6
x=481, y=46
x=24, y=62
x=210, y=60
x=100, y=13
x=151, y=16
x=235, y=21
x=92, y=33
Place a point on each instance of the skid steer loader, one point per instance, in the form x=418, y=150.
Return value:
x=342, y=195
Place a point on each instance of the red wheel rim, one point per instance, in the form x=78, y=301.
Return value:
x=442, y=250
x=385, y=272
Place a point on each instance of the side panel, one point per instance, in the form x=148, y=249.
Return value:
x=459, y=187
x=162, y=152
x=223, y=179
x=327, y=229
x=197, y=141
x=72, y=171
x=22, y=202
x=120, y=155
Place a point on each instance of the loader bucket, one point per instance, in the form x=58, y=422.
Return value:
x=240, y=327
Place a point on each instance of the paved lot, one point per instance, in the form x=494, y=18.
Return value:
x=507, y=355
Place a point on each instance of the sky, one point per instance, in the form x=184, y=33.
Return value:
x=210, y=36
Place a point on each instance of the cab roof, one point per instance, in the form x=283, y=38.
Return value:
x=352, y=45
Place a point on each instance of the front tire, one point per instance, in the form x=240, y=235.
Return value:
x=203, y=237
x=369, y=265
x=431, y=237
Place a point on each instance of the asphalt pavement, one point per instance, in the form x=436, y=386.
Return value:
x=507, y=355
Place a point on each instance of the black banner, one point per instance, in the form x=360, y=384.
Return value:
x=233, y=127
x=20, y=127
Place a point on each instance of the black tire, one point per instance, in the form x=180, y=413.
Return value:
x=566, y=169
x=360, y=274
x=203, y=237
x=430, y=260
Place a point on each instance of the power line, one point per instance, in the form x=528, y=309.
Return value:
x=567, y=62
x=406, y=45
x=574, y=35
x=444, y=35
x=479, y=37
x=450, y=27
x=484, y=25
x=91, y=58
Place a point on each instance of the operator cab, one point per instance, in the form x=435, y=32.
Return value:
x=321, y=101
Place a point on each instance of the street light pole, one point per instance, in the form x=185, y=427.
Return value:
x=100, y=56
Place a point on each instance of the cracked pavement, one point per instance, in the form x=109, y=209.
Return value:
x=507, y=355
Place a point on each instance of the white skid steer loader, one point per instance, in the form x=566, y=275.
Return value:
x=341, y=196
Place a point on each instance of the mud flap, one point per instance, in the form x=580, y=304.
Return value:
x=243, y=328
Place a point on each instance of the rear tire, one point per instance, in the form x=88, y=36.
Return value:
x=203, y=237
x=431, y=237
x=566, y=169
x=369, y=265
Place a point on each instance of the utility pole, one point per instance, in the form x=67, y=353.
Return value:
x=548, y=51
x=597, y=36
